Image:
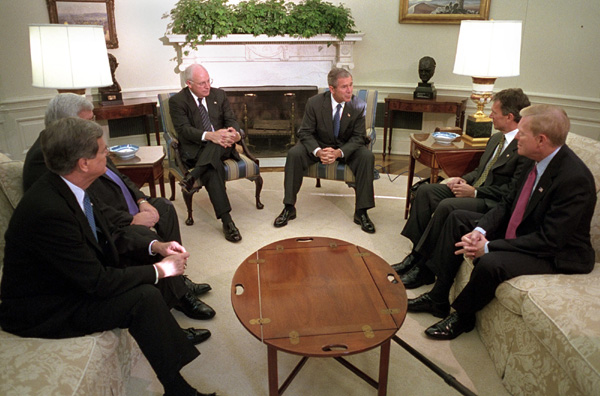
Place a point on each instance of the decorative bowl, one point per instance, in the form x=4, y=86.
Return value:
x=124, y=151
x=444, y=137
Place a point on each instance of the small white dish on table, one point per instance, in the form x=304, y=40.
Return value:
x=124, y=151
x=444, y=137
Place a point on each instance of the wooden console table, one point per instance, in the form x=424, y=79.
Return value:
x=145, y=167
x=455, y=159
x=319, y=297
x=131, y=108
x=405, y=102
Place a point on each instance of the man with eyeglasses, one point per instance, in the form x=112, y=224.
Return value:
x=125, y=205
x=208, y=132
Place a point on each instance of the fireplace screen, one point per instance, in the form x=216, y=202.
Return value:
x=270, y=115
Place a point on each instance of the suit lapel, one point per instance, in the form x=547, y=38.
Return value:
x=487, y=154
x=508, y=153
x=213, y=106
x=545, y=182
x=327, y=114
x=345, y=118
x=196, y=117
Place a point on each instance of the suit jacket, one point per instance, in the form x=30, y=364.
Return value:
x=188, y=121
x=104, y=188
x=53, y=261
x=557, y=218
x=504, y=173
x=317, y=125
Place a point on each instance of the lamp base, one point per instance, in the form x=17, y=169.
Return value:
x=425, y=91
x=111, y=98
x=475, y=142
x=478, y=130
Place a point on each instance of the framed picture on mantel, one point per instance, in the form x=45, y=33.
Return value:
x=443, y=11
x=86, y=12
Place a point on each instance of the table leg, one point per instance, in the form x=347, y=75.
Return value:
x=147, y=129
x=385, y=128
x=434, y=175
x=156, y=127
x=411, y=174
x=384, y=366
x=272, y=365
x=152, y=186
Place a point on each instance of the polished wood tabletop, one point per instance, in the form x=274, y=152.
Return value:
x=319, y=297
x=145, y=167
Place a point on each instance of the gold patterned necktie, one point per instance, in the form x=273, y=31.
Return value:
x=490, y=163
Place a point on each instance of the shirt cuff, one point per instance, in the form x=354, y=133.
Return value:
x=203, y=136
x=316, y=151
x=150, y=248
x=155, y=272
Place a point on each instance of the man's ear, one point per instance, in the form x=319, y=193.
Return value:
x=82, y=164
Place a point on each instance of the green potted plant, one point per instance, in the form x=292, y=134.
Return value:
x=200, y=20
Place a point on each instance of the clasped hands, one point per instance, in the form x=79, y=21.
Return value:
x=225, y=137
x=175, y=258
x=328, y=155
x=460, y=188
x=472, y=245
x=148, y=215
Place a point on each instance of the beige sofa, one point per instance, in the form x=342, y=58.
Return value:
x=543, y=331
x=98, y=364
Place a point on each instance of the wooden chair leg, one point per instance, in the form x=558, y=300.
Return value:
x=172, y=184
x=259, y=185
x=187, y=198
x=318, y=182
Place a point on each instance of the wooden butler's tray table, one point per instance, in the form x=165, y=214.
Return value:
x=319, y=297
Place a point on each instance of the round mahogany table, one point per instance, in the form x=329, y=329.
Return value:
x=319, y=297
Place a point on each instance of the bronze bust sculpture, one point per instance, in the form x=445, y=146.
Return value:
x=425, y=90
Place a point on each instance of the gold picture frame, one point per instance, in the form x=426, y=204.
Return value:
x=86, y=12
x=443, y=11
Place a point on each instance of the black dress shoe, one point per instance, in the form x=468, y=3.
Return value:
x=197, y=289
x=231, y=232
x=451, y=327
x=205, y=394
x=196, y=336
x=284, y=217
x=418, y=276
x=193, y=308
x=424, y=303
x=188, y=182
x=365, y=223
x=405, y=265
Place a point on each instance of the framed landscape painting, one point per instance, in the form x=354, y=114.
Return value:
x=86, y=12
x=443, y=11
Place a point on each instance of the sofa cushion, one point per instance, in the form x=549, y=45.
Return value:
x=566, y=319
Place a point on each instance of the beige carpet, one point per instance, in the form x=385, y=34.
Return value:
x=233, y=362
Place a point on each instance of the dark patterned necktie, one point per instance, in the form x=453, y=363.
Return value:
x=336, y=120
x=205, y=118
x=89, y=213
x=517, y=215
x=490, y=163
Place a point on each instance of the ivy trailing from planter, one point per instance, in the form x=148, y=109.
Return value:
x=199, y=20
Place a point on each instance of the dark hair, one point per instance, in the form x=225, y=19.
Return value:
x=335, y=74
x=512, y=100
x=67, y=140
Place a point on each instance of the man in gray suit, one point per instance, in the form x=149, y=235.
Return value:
x=333, y=129
x=478, y=191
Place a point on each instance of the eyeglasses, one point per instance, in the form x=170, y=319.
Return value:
x=206, y=83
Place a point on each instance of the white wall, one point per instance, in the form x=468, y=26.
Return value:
x=559, y=62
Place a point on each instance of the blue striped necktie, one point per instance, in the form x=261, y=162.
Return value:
x=89, y=213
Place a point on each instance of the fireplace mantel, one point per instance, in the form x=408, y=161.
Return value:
x=247, y=60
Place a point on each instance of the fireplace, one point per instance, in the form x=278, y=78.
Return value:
x=270, y=115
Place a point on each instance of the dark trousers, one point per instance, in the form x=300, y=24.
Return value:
x=209, y=169
x=489, y=270
x=144, y=312
x=168, y=224
x=431, y=207
x=361, y=162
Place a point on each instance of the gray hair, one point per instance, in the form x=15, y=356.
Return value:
x=189, y=71
x=66, y=105
x=550, y=120
x=335, y=74
x=67, y=140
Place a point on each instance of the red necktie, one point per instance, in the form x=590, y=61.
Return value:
x=517, y=215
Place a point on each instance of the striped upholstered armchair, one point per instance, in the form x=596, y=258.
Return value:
x=247, y=167
x=337, y=170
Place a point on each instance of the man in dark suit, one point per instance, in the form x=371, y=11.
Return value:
x=207, y=131
x=333, y=129
x=479, y=190
x=124, y=203
x=541, y=227
x=62, y=273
